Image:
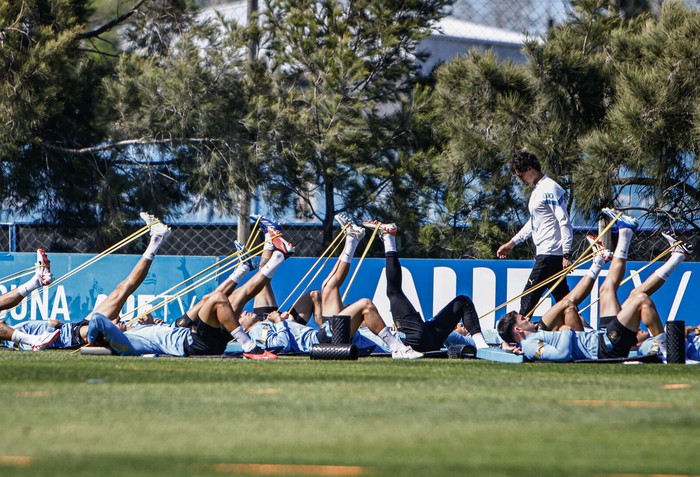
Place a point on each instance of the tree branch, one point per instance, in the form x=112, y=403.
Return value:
x=110, y=25
x=126, y=143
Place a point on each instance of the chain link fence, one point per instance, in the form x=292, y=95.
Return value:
x=217, y=240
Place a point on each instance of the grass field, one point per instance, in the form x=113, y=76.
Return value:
x=73, y=415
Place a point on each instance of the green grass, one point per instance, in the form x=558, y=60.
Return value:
x=94, y=415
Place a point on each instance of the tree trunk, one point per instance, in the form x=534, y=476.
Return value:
x=243, y=230
x=328, y=191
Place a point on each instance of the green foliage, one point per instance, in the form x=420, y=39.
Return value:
x=341, y=74
x=608, y=104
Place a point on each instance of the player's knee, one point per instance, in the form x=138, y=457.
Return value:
x=217, y=297
x=643, y=300
x=315, y=295
x=606, y=288
x=366, y=305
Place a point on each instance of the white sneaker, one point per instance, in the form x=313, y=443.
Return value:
x=682, y=247
x=155, y=226
x=623, y=222
x=406, y=353
x=45, y=340
x=349, y=227
x=43, y=267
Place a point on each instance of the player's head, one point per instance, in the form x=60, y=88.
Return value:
x=523, y=160
x=512, y=327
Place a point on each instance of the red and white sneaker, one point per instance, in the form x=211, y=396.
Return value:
x=383, y=229
x=279, y=242
x=43, y=267
x=260, y=354
x=45, y=340
x=599, y=248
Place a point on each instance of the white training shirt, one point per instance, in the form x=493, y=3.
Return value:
x=549, y=224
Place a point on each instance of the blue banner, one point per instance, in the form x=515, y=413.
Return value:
x=430, y=284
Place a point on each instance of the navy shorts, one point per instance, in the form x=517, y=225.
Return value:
x=621, y=340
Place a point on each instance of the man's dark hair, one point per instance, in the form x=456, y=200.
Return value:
x=505, y=327
x=521, y=160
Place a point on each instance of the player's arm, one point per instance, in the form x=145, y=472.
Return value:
x=565, y=227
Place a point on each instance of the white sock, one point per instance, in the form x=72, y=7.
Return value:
x=26, y=288
x=665, y=270
x=243, y=339
x=349, y=250
x=22, y=337
x=660, y=339
x=479, y=341
x=624, y=237
x=389, y=243
x=268, y=242
x=596, y=266
x=271, y=266
x=239, y=273
x=394, y=343
x=153, y=246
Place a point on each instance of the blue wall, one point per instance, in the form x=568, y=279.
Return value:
x=429, y=283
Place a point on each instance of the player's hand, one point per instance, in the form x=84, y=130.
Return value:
x=566, y=262
x=505, y=249
x=511, y=349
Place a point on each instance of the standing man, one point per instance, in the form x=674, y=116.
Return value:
x=549, y=227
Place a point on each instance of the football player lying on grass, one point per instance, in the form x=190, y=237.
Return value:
x=620, y=335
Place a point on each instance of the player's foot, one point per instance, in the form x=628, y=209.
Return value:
x=244, y=256
x=280, y=243
x=598, y=248
x=406, y=353
x=678, y=245
x=260, y=354
x=264, y=223
x=45, y=340
x=383, y=229
x=350, y=228
x=623, y=222
x=43, y=267
x=155, y=226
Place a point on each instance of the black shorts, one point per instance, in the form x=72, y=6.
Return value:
x=540, y=326
x=621, y=338
x=419, y=335
x=263, y=311
x=206, y=339
x=76, y=341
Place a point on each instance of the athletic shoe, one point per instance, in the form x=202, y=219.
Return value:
x=350, y=229
x=43, y=267
x=280, y=243
x=406, y=353
x=264, y=223
x=244, y=256
x=155, y=226
x=384, y=229
x=682, y=247
x=623, y=222
x=599, y=248
x=260, y=354
x=45, y=340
